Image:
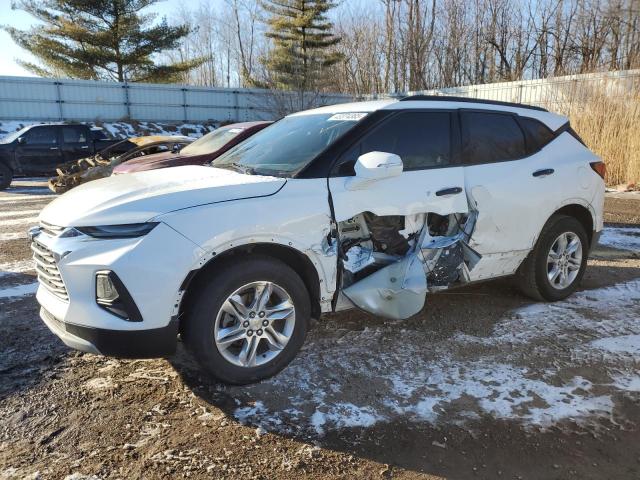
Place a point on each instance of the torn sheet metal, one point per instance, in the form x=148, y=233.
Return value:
x=398, y=288
x=396, y=291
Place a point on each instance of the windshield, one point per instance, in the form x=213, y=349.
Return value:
x=12, y=136
x=212, y=142
x=288, y=145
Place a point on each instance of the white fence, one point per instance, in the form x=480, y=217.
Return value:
x=556, y=93
x=45, y=99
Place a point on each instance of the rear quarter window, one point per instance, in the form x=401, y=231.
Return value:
x=537, y=133
x=491, y=137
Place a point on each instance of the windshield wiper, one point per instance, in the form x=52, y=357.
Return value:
x=243, y=169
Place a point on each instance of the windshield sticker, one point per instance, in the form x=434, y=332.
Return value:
x=347, y=116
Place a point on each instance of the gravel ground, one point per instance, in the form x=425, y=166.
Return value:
x=481, y=384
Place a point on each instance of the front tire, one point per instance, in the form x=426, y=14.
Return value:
x=554, y=268
x=6, y=175
x=249, y=320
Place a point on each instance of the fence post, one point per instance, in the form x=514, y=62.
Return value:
x=184, y=104
x=236, y=105
x=127, y=104
x=59, y=100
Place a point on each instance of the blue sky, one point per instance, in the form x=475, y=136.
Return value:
x=19, y=19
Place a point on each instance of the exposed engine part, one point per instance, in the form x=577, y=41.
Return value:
x=438, y=224
x=385, y=233
x=447, y=269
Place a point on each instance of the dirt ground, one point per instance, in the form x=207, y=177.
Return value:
x=482, y=384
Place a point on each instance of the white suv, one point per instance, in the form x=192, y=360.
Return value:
x=366, y=205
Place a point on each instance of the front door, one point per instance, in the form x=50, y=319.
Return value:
x=39, y=151
x=76, y=143
x=384, y=226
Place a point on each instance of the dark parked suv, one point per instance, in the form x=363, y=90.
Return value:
x=38, y=149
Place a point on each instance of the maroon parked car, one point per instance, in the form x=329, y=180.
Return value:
x=202, y=151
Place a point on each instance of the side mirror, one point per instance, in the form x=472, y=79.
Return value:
x=374, y=166
x=22, y=140
x=176, y=148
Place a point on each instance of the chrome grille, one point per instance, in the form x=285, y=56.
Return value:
x=51, y=230
x=47, y=270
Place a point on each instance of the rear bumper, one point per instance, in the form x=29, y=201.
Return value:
x=156, y=342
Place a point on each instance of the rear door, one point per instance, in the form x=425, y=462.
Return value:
x=432, y=181
x=513, y=187
x=39, y=152
x=76, y=142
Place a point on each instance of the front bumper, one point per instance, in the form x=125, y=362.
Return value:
x=152, y=268
x=157, y=342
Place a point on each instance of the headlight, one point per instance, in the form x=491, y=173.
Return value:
x=129, y=230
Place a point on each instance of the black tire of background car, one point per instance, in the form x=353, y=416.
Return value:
x=532, y=274
x=6, y=175
x=230, y=275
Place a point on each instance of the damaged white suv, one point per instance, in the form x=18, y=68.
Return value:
x=367, y=205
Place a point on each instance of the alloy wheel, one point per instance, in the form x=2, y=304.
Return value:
x=254, y=324
x=564, y=260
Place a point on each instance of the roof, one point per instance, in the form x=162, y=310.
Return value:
x=552, y=120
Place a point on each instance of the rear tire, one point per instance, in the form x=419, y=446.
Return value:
x=235, y=335
x=552, y=271
x=6, y=175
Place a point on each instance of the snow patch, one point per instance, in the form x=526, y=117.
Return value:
x=126, y=129
x=343, y=415
x=625, y=238
x=12, y=236
x=625, y=344
x=20, y=266
x=19, y=221
x=19, y=290
x=18, y=213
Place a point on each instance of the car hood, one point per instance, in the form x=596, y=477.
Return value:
x=139, y=197
x=161, y=160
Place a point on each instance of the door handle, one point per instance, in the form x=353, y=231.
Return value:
x=543, y=173
x=448, y=191
x=85, y=147
x=53, y=148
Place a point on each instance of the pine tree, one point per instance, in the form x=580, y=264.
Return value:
x=302, y=40
x=100, y=40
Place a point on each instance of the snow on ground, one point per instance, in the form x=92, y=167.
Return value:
x=17, y=213
x=586, y=348
x=126, y=129
x=626, y=238
x=12, y=236
x=19, y=290
x=17, y=266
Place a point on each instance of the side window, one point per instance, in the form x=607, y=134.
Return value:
x=421, y=139
x=491, y=137
x=74, y=134
x=42, y=136
x=98, y=135
x=538, y=134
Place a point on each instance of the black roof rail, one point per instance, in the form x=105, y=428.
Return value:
x=447, y=98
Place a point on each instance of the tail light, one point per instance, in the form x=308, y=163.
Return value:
x=600, y=168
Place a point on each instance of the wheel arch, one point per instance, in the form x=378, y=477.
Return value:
x=580, y=213
x=292, y=257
